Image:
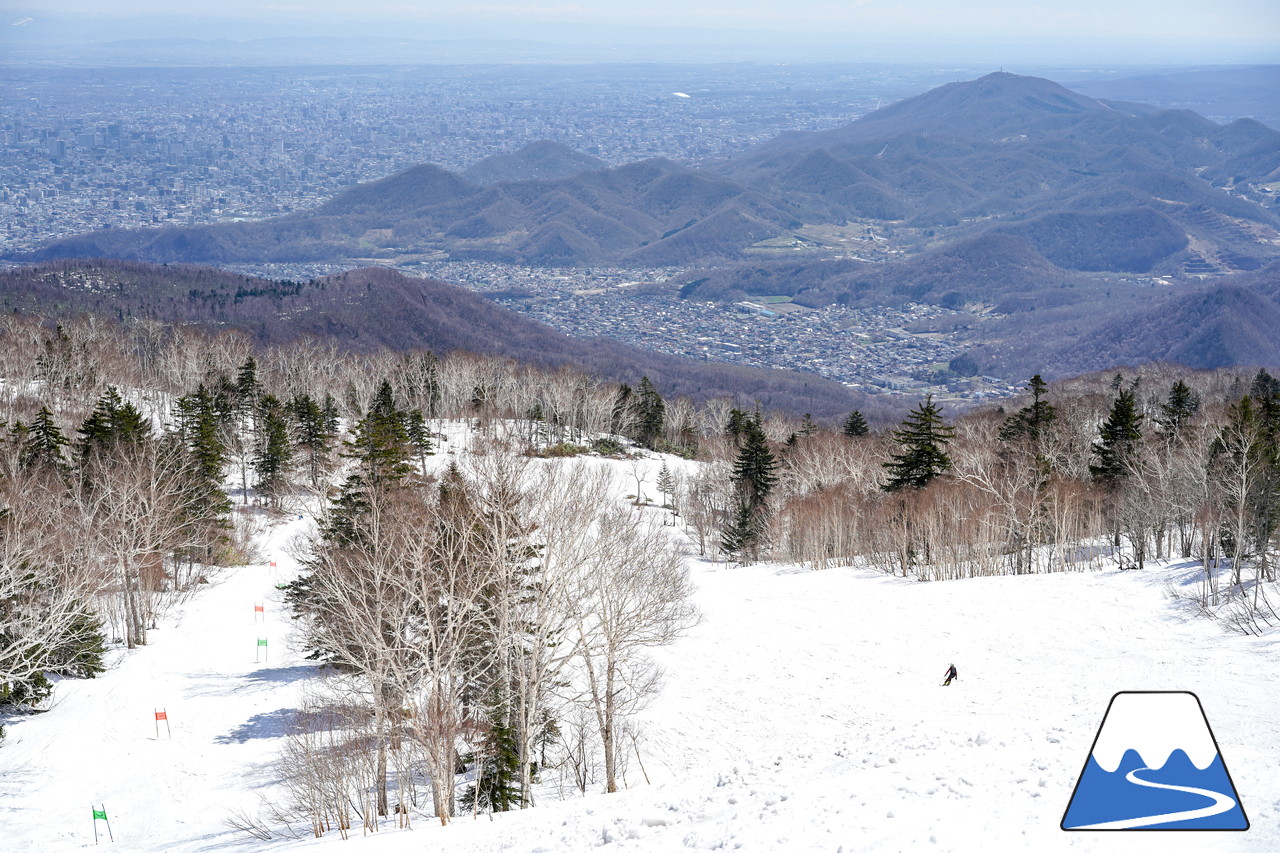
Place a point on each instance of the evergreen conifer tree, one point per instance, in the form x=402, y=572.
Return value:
x=753, y=479
x=1264, y=386
x=648, y=414
x=740, y=538
x=274, y=452
x=497, y=771
x=419, y=435
x=737, y=426
x=1182, y=404
x=1030, y=422
x=380, y=441
x=312, y=435
x=112, y=421
x=81, y=648
x=247, y=386
x=923, y=438
x=667, y=488
x=42, y=442
x=1117, y=440
x=197, y=416
x=855, y=425
x=753, y=472
x=330, y=410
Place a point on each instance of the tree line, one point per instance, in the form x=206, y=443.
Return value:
x=1085, y=474
x=487, y=620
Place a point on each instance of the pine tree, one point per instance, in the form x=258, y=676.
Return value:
x=807, y=426
x=1117, y=440
x=419, y=437
x=855, y=426
x=753, y=479
x=197, y=416
x=1264, y=502
x=1030, y=422
x=312, y=435
x=740, y=538
x=497, y=771
x=274, y=451
x=648, y=414
x=81, y=648
x=1182, y=404
x=380, y=441
x=737, y=426
x=111, y=422
x=247, y=386
x=330, y=409
x=199, y=430
x=42, y=443
x=753, y=472
x=1264, y=386
x=923, y=438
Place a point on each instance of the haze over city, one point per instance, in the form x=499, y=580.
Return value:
x=1128, y=32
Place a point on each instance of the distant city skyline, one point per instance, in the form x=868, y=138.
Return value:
x=1247, y=21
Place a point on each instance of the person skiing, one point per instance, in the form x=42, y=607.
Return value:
x=951, y=675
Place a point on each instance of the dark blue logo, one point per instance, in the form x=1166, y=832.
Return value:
x=1155, y=764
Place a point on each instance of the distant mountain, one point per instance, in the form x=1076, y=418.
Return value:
x=624, y=214
x=1046, y=213
x=1223, y=324
x=1003, y=149
x=1222, y=93
x=538, y=161
x=1094, y=185
x=989, y=107
x=375, y=307
x=995, y=269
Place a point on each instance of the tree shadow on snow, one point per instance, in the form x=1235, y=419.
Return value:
x=272, y=724
x=283, y=674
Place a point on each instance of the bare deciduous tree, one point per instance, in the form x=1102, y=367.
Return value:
x=631, y=595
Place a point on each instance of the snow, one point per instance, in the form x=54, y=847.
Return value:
x=805, y=712
x=98, y=744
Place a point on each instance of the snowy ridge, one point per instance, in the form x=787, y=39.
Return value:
x=1154, y=725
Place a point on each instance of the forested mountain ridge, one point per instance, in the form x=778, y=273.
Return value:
x=1210, y=325
x=377, y=308
x=538, y=160
x=1004, y=152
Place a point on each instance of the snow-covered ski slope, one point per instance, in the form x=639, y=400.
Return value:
x=226, y=712
x=804, y=713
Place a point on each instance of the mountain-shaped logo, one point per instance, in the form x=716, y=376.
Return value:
x=1155, y=765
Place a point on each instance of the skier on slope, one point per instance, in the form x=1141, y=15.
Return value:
x=951, y=675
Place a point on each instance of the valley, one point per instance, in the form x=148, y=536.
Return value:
x=953, y=243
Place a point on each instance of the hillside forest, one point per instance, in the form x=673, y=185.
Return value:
x=493, y=615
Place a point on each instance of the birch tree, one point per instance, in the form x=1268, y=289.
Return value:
x=632, y=595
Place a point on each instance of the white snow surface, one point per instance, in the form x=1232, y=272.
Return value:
x=1154, y=724
x=804, y=713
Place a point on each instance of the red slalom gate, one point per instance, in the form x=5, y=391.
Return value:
x=163, y=715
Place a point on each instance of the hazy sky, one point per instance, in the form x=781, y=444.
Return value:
x=1216, y=20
